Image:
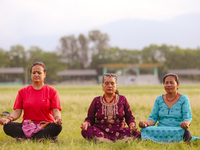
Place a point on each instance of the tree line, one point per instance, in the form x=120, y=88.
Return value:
x=89, y=51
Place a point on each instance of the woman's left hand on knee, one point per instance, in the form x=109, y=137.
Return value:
x=132, y=127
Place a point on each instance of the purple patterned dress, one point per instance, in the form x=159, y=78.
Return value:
x=107, y=120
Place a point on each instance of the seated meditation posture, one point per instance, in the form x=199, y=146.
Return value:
x=172, y=111
x=41, y=110
x=105, y=118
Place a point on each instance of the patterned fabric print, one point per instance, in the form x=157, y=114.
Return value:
x=171, y=117
x=109, y=110
x=162, y=134
x=108, y=119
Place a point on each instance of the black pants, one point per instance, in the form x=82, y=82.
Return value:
x=14, y=130
x=187, y=136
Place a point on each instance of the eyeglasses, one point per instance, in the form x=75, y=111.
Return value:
x=110, y=74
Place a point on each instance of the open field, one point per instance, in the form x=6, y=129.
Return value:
x=75, y=101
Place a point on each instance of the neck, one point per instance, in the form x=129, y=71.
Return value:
x=171, y=95
x=37, y=86
x=109, y=97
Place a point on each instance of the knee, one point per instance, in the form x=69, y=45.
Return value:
x=87, y=134
x=187, y=136
x=7, y=128
x=58, y=128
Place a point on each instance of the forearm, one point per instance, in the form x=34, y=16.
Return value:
x=144, y=124
x=150, y=122
x=16, y=114
x=187, y=121
x=56, y=113
x=57, y=116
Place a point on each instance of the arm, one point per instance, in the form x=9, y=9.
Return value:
x=90, y=117
x=153, y=117
x=57, y=116
x=130, y=120
x=187, y=114
x=146, y=123
x=14, y=116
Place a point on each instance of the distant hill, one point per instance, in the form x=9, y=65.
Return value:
x=182, y=31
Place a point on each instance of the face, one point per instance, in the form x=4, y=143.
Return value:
x=38, y=74
x=109, y=85
x=170, y=84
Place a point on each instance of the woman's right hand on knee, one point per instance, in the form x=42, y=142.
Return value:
x=84, y=125
x=4, y=121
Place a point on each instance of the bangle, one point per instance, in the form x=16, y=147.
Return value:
x=10, y=118
x=146, y=123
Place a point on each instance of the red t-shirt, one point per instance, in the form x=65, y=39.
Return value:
x=38, y=104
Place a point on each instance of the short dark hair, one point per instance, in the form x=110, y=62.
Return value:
x=173, y=75
x=38, y=63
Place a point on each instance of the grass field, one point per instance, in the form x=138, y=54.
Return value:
x=75, y=102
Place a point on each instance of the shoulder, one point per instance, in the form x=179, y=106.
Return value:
x=49, y=88
x=24, y=89
x=122, y=96
x=96, y=100
x=122, y=99
x=159, y=99
x=184, y=98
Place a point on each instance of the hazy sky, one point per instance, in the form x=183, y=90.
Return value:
x=24, y=18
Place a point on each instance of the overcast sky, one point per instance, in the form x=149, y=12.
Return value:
x=24, y=18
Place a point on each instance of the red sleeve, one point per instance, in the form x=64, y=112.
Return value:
x=55, y=100
x=19, y=101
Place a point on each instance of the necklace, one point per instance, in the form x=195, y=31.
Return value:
x=111, y=100
x=173, y=98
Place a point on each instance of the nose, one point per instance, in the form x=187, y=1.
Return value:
x=109, y=84
x=36, y=74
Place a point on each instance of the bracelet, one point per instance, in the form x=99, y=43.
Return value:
x=10, y=118
x=146, y=123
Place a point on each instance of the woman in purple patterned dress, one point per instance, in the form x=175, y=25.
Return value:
x=105, y=119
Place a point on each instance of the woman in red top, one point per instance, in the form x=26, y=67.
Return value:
x=41, y=106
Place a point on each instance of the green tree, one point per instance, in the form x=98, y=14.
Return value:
x=17, y=56
x=83, y=51
x=69, y=50
x=99, y=41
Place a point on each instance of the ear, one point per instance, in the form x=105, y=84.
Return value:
x=45, y=75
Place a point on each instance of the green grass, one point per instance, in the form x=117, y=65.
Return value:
x=75, y=101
